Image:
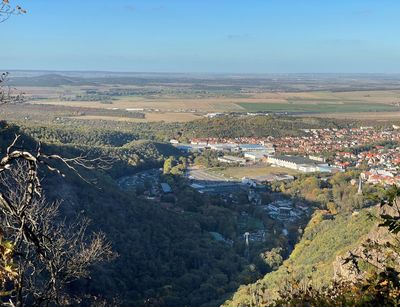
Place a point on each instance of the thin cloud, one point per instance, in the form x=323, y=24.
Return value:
x=364, y=13
x=159, y=8
x=130, y=8
x=341, y=42
x=237, y=36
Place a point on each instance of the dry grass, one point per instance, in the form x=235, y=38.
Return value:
x=175, y=108
x=150, y=117
x=379, y=116
x=162, y=104
x=223, y=103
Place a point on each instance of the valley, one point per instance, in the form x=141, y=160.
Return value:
x=205, y=199
x=199, y=153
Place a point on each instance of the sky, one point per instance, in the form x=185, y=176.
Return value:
x=204, y=36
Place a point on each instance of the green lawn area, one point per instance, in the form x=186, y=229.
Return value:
x=251, y=171
x=312, y=107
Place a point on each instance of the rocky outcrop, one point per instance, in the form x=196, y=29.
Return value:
x=376, y=252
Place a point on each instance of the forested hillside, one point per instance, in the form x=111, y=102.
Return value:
x=199, y=153
x=165, y=257
x=255, y=126
x=100, y=132
x=129, y=153
x=324, y=239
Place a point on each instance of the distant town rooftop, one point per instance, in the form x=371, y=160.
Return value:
x=166, y=187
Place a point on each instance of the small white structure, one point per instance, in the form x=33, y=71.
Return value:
x=255, y=156
x=214, y=115
x=249, y=182
x=134, y=109
x=232, y=160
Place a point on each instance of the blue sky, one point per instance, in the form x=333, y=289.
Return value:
x=239, y=36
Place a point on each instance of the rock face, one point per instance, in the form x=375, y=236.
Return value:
x=310, y=263
x=377, y=251
x=346, y=268
x=353, y=246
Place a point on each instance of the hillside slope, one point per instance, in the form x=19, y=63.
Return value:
x=165, y=257
x=313, y=257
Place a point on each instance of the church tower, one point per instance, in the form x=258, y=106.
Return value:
x=360, y=192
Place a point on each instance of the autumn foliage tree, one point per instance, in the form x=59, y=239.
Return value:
x=380, y=286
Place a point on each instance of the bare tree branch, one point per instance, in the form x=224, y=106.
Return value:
x=9, y=94
x=7, y=10
x=48, y=253
x=40, y=254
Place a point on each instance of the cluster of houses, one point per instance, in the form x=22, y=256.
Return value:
x=313, y=142
x=316, y=141
x=382, y=164
x=285, y=210
x=378, y=157
x=302, y=153
x=380, y=176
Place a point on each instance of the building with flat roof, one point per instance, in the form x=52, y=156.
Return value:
x=224, y=147
x=166, y=188
x=301, y=164
x=256, y=155
x=256, y=147
x=232, y=160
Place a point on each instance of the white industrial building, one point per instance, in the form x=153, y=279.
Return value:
x=256, y=148
x=301, y=164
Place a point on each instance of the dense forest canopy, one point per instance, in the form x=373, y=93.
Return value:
x=110, y=133
x=164, y=258
x=104, y=213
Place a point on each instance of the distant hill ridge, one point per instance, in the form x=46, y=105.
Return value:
x=50, y=80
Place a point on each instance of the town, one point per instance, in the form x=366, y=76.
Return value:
x=318, y=150
x=262, y=162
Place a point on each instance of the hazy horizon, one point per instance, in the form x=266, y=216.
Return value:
x=229, y=37
x=205, y=73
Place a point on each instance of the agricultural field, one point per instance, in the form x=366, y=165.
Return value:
x=374, y=116
x=319, y=107
x=181, y=98
x=167, y=117
x=329, y=102
x=185, y=109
